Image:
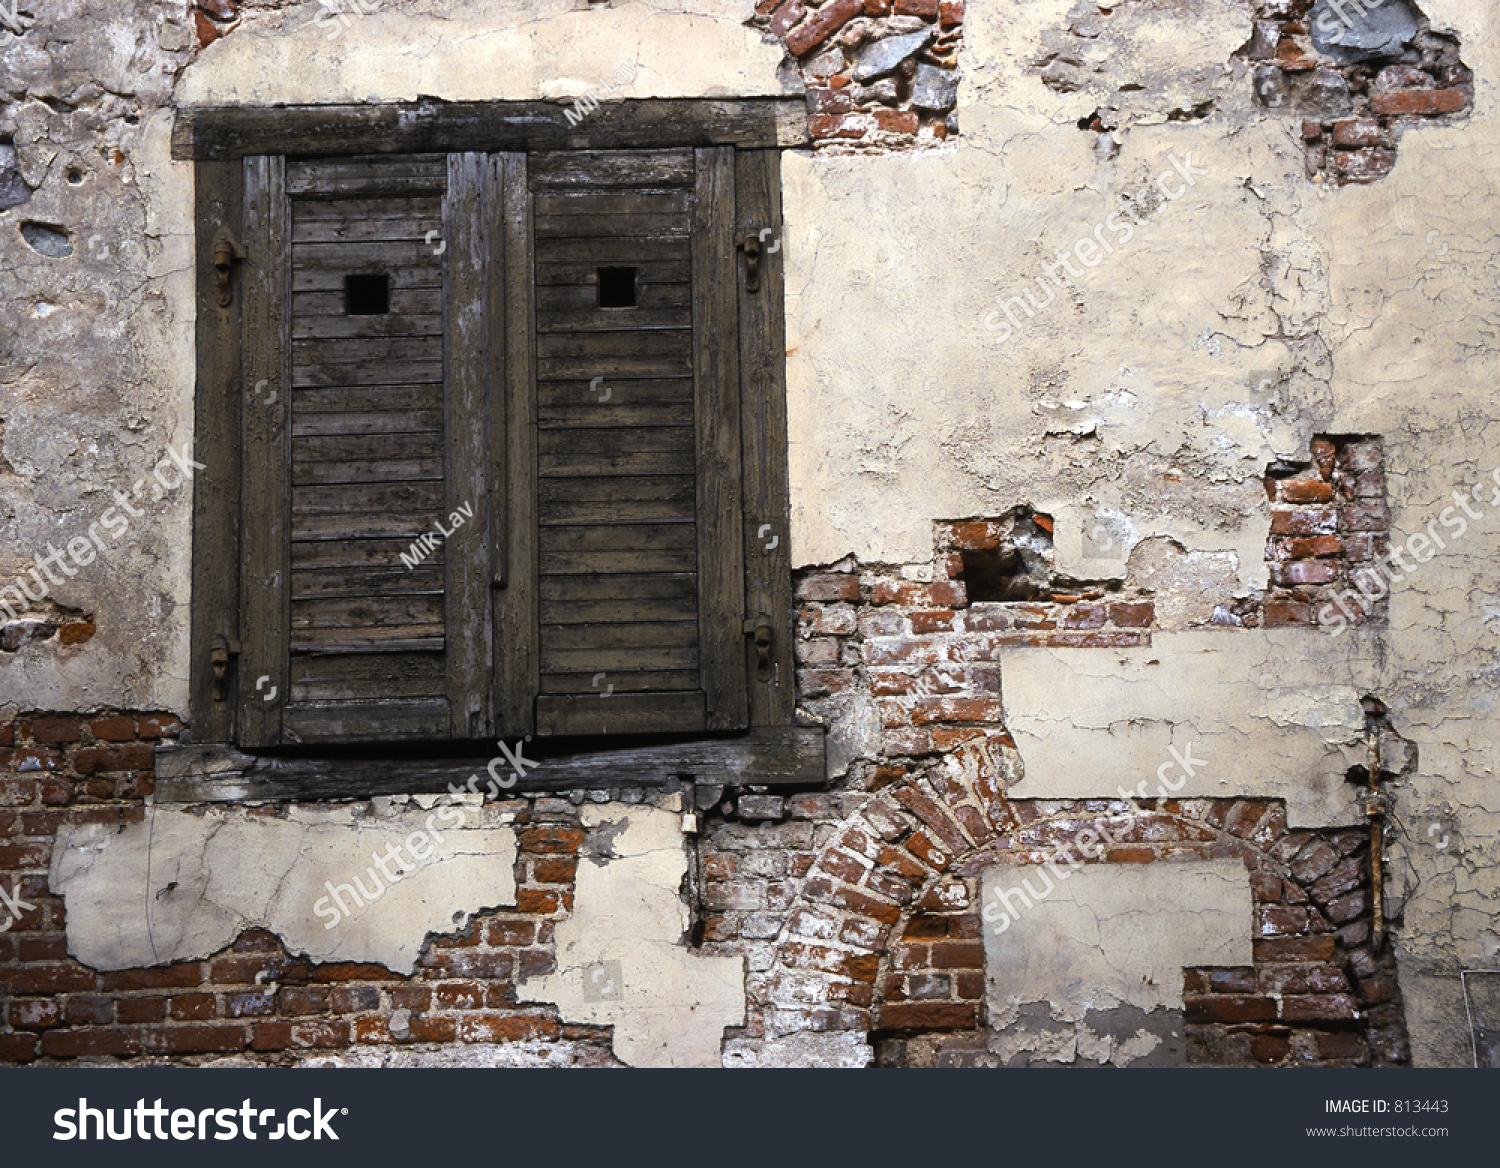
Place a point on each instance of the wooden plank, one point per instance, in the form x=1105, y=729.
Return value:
x=619, y=610
x=330, y=281
x=580, y=273
x=467, y=362
x=406, y=300
x=678, y=508
x=362, y=614
x=622, y=391
x=312, y=210
x=767, y=502
x=517, y=660
x=406, y=256
x=366, y=350
x=372, y=553
x=596, y=319
x=390, y=325
x=637, y=681
x=232, y=131
x=581, y=297
x=561, y=543
x=672, y=462
x=681, y=588
x=310, y=425
x=594, y=660
x=395, y=638
x=614, y=355
x=216, y=443
x=363, y=676
x=310, y=583
x=614, y=439
x=616, y=225
x=662, y=713
x=595, y=170
x=372, y=721
x=721, y=577
x=553, y=203
x=368, y=398
x=393, y=371
x=371, y=471
x=617, y=634
x=345, y=525
x=264, y=512
x=410, y=176
x=623, y=415
x=366, y=448
x=424, y=229
x=780, y=757
x=423, y=500
x=607, y=250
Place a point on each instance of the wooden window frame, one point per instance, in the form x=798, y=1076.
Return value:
x=773, y=751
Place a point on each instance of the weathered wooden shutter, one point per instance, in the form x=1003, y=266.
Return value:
x=366, y=364
x=638, y=490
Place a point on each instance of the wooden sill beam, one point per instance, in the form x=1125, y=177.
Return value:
x=220, y=774
x=228, y=132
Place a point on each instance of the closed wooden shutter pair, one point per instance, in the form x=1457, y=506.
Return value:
x=492, y=447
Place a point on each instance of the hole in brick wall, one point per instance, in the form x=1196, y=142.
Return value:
x=1356, y=75
x=367, y=295
x=617, y=287
x=1016, y=567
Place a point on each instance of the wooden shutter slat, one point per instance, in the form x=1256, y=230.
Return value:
x=648, y=713
x=363, y=177
x=265, y=514
x=517, y=666
x=467, y=362
x=716, y=377
x=612, y=168
x=368, y=677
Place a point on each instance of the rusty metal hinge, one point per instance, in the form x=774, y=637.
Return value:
x=226, y=255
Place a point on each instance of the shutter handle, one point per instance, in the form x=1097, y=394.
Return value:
x=225, y=257
x=760, y=629
x=752, y=245
x=218, y=658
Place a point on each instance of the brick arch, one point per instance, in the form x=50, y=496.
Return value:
x=899, y=875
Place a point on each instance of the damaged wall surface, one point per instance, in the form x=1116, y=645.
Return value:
x=1121, y=340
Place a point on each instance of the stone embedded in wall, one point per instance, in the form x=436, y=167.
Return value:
x=1357, y=76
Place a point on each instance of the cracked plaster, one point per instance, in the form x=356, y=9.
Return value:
x=182, y=885
x=1103, y=939
x=622, y=957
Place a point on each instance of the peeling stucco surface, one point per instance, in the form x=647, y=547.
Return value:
x=184, y=884
x=1275, y=715
x=622, y=957
x=484, y=52
x=1102, y=939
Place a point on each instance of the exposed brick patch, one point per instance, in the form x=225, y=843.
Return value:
x=1354, y=105
x=880, y=74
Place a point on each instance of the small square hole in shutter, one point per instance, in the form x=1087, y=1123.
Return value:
x=616, y=287
x=367, y=295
